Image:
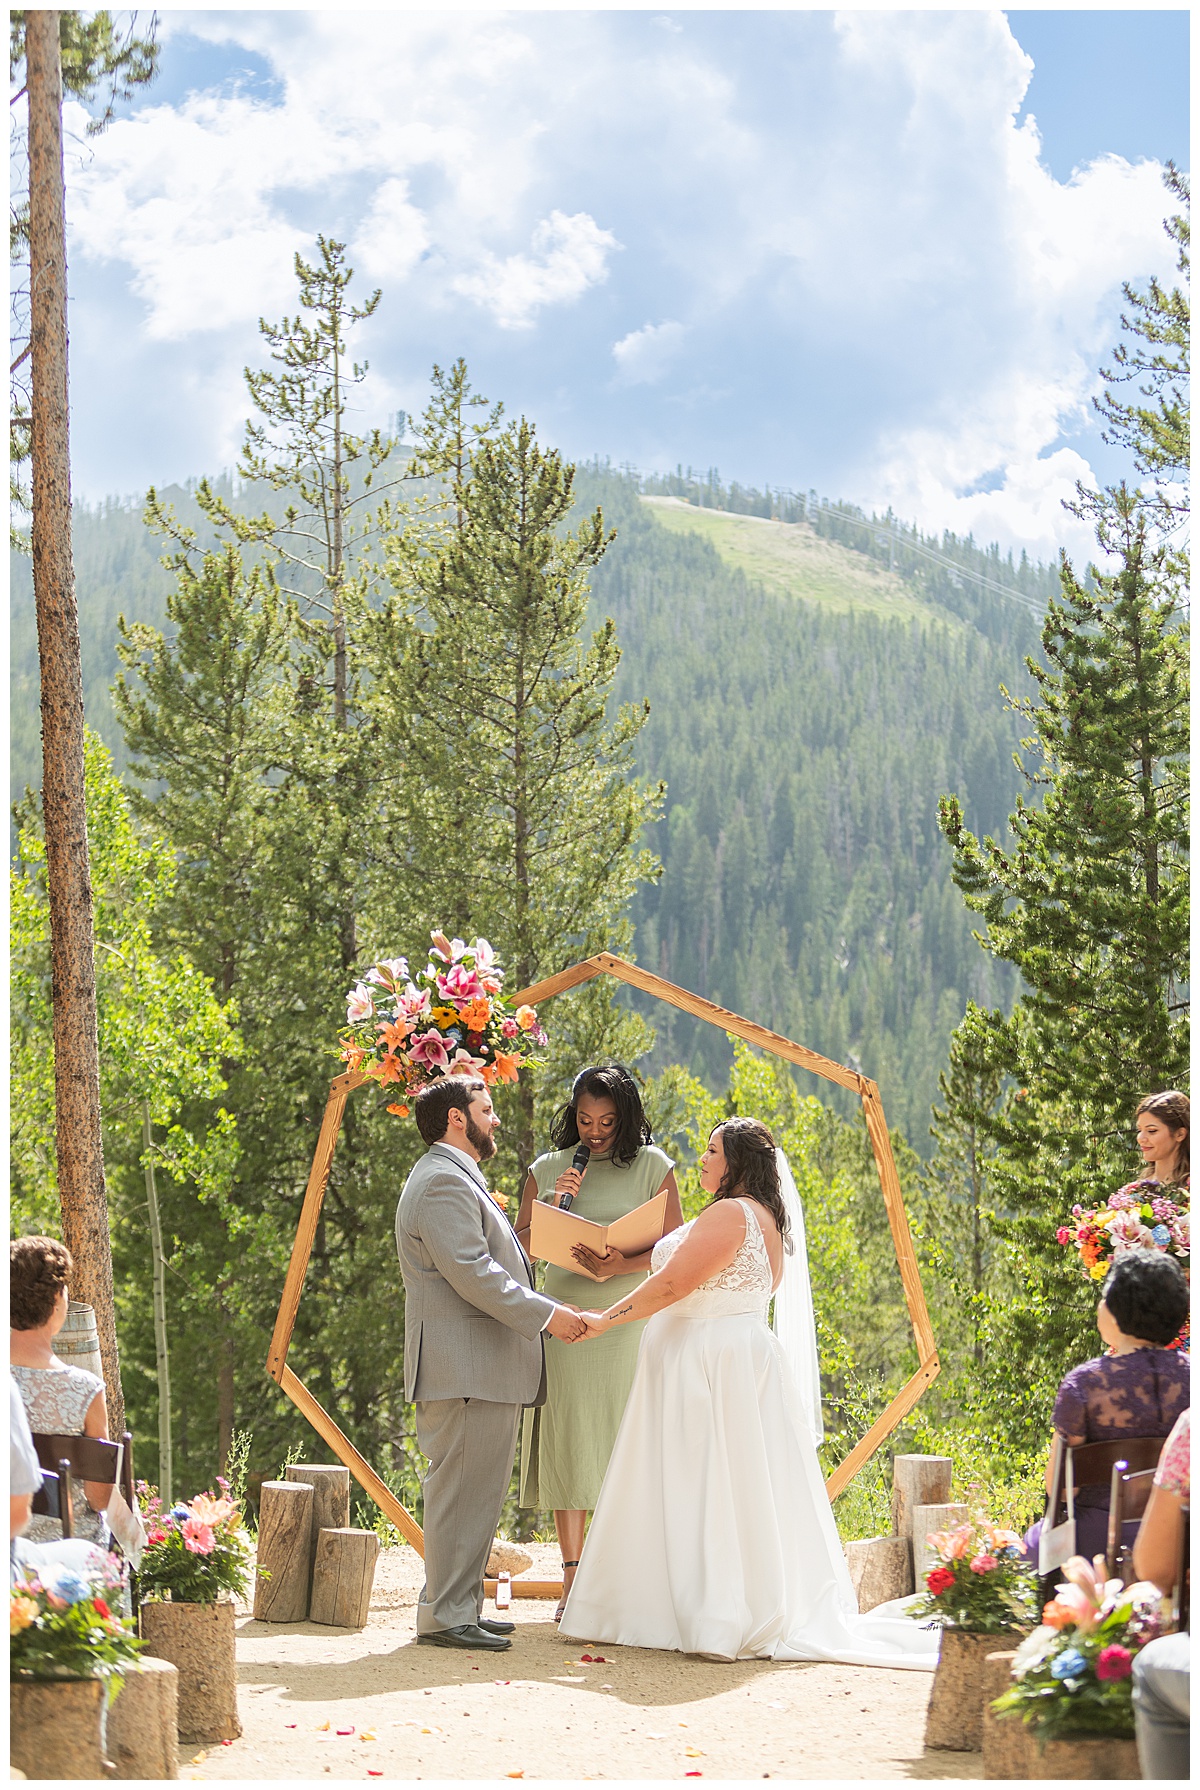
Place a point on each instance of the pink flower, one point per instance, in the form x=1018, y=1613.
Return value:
x=212, y=1510
x=509, y=1028
x=1063, y=1234
x=1114, y=1662
x=959, y=1542
x=198, y=1537
x=359, y=1005
x=413, y=1003
x=389, y=971
x=485, y=957
x=984, y=1563
x=463, y=1063
x=428, y=1048
x=460, y=984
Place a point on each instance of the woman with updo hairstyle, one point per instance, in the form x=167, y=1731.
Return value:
x=59, y=1400
x=1138, y=1387
x=566, y=1442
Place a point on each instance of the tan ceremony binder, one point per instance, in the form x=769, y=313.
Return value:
x=553, y=1233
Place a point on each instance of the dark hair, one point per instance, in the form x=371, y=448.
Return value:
x=433, y=1104
x=1175, y=1111
x=1147, y=1294
x=38, y=1270
x=751, y=1169
x=605, y=1081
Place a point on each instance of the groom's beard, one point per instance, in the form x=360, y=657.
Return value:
x=481, y=1140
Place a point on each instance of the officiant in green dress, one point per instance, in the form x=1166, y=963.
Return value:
x=565, y=1443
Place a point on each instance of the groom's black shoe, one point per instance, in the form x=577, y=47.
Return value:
x=496, y=1628
x=469, y=1635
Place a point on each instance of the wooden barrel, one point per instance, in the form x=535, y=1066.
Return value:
x=78, y=1342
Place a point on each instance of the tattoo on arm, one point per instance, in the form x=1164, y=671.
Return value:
x=620, y=1310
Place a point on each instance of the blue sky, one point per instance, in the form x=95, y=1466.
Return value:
x=875, y=253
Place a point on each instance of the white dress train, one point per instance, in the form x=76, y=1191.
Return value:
x=713, y=1532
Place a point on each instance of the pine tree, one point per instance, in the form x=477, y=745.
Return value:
x=499, y=711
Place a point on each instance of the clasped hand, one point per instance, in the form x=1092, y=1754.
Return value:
x=571, y=1325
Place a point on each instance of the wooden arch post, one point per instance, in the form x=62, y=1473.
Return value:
x=605, y=964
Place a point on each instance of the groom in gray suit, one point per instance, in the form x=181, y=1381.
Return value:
x=473, y=1352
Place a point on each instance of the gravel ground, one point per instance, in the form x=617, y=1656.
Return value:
x=347, y=1703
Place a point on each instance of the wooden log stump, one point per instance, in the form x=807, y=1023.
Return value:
x=918, y=1479
x=1002, y=1737
x=199, y=1640
x=342, y=1577
x=331, y=1502
x=56, y=1729
x=284, y=1533
x=880, y=1570
x=927, y=1520
x=143, y=1741
x=954, y=1720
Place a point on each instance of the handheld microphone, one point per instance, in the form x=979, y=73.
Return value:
x=578, y=1161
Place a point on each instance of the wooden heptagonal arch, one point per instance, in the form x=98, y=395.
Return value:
x=607, y=965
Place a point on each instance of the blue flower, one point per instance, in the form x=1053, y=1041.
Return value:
x=1070, y=1664
x=180, y=1512
x=1161, y=1235
x=72, y=1588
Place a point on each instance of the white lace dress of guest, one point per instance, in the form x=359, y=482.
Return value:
x=713, y=1533
x=57, y=1400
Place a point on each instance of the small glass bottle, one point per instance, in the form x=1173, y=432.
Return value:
x=503, y=1590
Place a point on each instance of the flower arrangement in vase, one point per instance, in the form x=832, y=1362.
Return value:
x=981, y=1583
x=448, y=1019
x=1073, y=1675
x=193, y=1551
x=66, y=1625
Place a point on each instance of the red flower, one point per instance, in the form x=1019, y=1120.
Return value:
x=939, y=1580
x=156, y=1535
x=102, y=1608
x=1114, y=1662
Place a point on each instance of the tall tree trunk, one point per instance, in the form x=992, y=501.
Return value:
x=162, y=1353
x=78, y=1147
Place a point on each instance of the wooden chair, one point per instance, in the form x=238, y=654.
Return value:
x=89, y=1458
x=53, y=1499
x=1181, y=1600
x=1092, y=1463
x=1127, y=1502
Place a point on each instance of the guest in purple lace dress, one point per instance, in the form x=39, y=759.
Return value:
x=1138, y=1388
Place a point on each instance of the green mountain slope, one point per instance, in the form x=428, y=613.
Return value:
x=791, y=559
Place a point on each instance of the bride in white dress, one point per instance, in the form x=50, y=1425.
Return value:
x=713, y=1533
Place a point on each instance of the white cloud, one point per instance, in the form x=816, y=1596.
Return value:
x=645, y=354
x=882, y=290
x=569, y=255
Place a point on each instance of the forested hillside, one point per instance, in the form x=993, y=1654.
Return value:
x=804, y=744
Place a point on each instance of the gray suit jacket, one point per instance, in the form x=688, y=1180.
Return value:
x=472, y=1318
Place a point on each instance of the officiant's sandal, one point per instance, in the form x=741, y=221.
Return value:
x=562, y=1602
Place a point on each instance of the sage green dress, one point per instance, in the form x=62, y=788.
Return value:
x=565, y=1443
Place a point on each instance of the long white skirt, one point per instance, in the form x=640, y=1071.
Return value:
x=713, y=1533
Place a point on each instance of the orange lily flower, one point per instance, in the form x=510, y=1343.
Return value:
x=390, y=1069
x=394, y=1033
x=507, y=1067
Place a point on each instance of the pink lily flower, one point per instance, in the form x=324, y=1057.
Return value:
x=389, y=971
x=413, y=1003
x=428, y=1048
x=359, y=1005
x=460, y=984
x=485, y=957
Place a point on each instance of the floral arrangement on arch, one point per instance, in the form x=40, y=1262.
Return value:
x=193, y=1551
x=67, y=1625
x=981, y=1582
x=1143, y=1214
x=448, y=1019
x=1073, y=1675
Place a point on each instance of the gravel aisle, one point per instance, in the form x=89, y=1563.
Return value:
x=353, y=1704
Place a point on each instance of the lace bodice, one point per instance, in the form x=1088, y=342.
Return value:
x=743, y=1285
x=57, y=1400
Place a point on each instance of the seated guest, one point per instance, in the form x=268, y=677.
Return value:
x=1162, y=1670
x=1138, y=1388
x=59, y=1400
x=29, y=1559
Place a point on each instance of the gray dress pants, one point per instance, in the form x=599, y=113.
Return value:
x=1162, y=1706
x=470, y=1444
